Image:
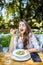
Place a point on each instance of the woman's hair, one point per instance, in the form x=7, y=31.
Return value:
x=26, y=34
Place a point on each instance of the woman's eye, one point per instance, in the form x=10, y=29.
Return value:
x=21, y=25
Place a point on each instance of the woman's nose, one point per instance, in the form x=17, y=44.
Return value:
x=21, y=26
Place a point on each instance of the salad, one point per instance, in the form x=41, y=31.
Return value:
x=20, y=52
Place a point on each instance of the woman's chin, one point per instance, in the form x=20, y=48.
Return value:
x=22, y=32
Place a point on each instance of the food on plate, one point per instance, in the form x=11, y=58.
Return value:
x=20, y=52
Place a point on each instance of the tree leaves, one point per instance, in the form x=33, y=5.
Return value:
x=26, y=9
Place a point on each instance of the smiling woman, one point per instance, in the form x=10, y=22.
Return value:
x=25, y=38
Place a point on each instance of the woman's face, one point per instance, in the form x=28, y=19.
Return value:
x=22, y=27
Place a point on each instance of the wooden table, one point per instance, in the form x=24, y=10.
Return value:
x=13, y=62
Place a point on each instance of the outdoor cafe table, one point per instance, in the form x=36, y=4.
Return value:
x=13, y=62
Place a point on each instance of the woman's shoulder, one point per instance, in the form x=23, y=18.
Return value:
x=30, y=34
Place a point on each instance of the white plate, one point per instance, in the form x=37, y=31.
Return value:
x=24, y=57
x=25, y=51
x=27, y=57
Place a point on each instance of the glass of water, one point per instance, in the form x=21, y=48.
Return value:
x=6, y=55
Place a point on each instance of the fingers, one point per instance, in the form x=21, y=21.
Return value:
x=12, y=30
x=16, y=29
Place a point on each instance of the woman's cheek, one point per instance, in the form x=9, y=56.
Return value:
x=19, y=28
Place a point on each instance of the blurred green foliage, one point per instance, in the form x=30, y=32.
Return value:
x=30, y=10
x=5, y=40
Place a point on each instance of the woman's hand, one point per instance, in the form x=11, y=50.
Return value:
x=33, y=50
x=12, y=31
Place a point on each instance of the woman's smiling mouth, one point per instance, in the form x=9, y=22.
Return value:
x=21, y=29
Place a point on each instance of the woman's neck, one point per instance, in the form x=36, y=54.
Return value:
x=21, y=35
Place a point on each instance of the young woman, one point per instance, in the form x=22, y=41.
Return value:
x=24, y=39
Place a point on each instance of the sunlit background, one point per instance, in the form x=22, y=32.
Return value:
x=31, y=10
x=13, y=10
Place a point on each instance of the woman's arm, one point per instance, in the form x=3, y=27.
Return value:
x=35, y=44
x=33, y=50
x=12, y=40
x=11, y=44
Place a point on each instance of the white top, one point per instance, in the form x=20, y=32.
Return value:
x=32, y=42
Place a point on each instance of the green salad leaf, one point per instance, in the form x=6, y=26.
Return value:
x=20, y=52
